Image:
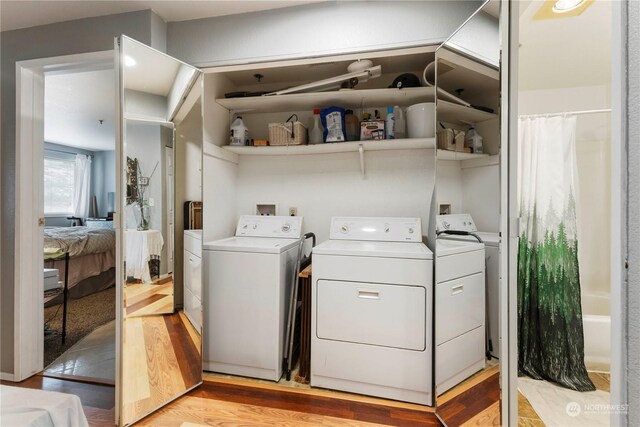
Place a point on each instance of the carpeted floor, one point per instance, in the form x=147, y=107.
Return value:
x=83, y=316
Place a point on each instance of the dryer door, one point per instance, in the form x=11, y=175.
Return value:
x=371, y=313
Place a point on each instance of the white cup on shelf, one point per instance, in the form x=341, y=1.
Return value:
x=421, y=120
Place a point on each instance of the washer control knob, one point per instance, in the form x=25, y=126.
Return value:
x=286, y=227
x=255, y=226
x=344, y=229
x=410, y=230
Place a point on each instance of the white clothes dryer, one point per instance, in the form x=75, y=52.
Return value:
x=247, y=282
x=491, y=242
x=460, y=312
x=372, y=309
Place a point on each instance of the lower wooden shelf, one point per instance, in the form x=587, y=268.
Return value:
x=334, y=147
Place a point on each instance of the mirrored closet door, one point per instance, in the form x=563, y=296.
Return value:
x=466, y=73
x=160, y=345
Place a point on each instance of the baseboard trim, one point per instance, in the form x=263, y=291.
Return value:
x=6, y=376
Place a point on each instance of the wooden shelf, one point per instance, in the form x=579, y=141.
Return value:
x=455, y=155
x=334, y=147
x=352, y=98
x=450, y=112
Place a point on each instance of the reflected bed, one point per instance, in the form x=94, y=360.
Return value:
x=92, y=257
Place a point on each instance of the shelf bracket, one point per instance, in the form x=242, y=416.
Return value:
x=361, y=151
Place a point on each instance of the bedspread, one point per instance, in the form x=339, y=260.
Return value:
x=80, y=240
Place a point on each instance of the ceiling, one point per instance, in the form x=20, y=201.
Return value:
x=15, y=14
x=565, y=52
x=149, y=71
x=74, y=105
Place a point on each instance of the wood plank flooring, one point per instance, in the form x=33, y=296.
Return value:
x=220, y=403
x=160, y=361
x=229, y=403
x=475, y=401
x=149, y=298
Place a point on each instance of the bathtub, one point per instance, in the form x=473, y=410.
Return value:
x=596, y=317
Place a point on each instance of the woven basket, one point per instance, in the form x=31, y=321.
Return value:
x=452, y=140
x=287, y=133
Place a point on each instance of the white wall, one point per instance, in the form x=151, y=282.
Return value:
x=143, y=141
x=188, y=181
x=397, y=184
x=103, y=174
x=145, y=105
x=220, y=215
x=320, y=29
x=593, y=146
x=472, y=190
x=481, y=196
x=479, y=38
x=449, y=185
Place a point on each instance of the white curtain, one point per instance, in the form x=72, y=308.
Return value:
x=547, y=174
x=550, y=333
x=81, y=197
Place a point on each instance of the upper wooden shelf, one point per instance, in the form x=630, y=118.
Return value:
x=351, y=98
x=451, y=112
x=334, y=147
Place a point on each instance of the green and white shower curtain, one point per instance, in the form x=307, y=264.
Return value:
x=550, y=333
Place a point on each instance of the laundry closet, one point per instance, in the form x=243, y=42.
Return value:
x=395, y=222
x=392, y=178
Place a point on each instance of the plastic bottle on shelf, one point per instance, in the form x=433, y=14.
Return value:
x=473, y=141
x=400, y=129
x=352, y=126
x=390, y=124
x=239, y=132
x=315, y=134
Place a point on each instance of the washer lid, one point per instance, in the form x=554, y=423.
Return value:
x=373, y=249
x=446, y=247
x=264, y=245
x=489, y=239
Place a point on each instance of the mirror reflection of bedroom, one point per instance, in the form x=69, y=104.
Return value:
x=79, y=237
x=148, y=215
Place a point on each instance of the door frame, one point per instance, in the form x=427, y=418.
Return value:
x=619, y=403
x=508, y=214
x=29, y=201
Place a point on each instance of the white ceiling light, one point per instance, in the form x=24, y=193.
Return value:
x=129, y=61
x=562, y=6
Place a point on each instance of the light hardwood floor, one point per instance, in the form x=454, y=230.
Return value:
x=148, y=298
x=234, y=403
x=160, y=361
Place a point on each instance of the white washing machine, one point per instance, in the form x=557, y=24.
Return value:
x=371, y=315
x=459, y=303
x=247, y=282
x=491, y=242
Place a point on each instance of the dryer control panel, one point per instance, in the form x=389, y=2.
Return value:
x=287, y=227
x=378, y=229
x=460, y=222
